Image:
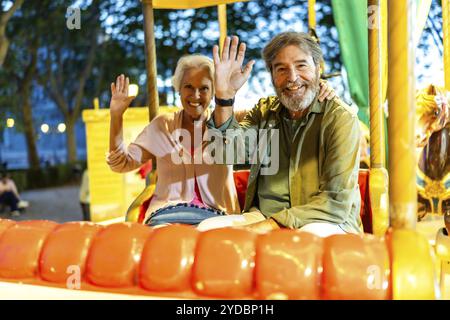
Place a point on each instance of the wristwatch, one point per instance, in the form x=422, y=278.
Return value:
x=224, y=102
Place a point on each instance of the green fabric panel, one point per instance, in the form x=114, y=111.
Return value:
x=350, y=17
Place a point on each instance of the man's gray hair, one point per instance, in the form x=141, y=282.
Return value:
x=188, y=62
x=301, y=40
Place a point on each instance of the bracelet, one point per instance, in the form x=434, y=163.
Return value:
x=224, y=102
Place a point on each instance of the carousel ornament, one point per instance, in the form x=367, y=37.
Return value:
x=433, y=143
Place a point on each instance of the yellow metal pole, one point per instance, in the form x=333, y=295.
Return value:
x=312, y=14
x=222, y=12
x=378, y=180
x=446, y=29
x=375, y=85
x=150, y=59
x=401, y=93
x=384, y=54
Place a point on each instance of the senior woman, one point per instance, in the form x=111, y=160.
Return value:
x=188, y=189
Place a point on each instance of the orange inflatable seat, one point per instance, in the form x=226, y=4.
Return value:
x=224, y=263
x=115, y=255
x=288, y=265
x=20, y=247
x=66, y=248
x=355, y=267
x=167, y=259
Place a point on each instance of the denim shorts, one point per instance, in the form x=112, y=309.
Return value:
x=182, y=213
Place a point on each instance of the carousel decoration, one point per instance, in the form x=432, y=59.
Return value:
x=433, y=141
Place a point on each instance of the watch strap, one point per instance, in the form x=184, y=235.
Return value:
x=224, y=102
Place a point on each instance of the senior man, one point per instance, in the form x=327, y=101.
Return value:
x=315, y=186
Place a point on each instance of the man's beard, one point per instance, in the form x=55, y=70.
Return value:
x=297, y=103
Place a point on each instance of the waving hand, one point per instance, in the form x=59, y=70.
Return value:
x=229, y=74
x=119, y=96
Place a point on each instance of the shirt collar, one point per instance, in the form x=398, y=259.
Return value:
x=316, y=106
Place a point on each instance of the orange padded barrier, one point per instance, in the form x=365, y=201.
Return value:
x=179, y=261
x=42, y=224
x=5, y=224
x=355, y=267
x=224, y=263
x=115, y=255
x=20, y=247
x=167, y=259
x=288, y=265
x=67, y=247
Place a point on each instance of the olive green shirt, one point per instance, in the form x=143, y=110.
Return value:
x=322, y=168
x=273, y=190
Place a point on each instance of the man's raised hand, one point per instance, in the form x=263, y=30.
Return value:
x=229, y=74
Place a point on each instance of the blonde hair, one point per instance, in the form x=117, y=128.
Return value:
x=192, y=61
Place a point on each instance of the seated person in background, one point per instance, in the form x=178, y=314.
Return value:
x=84, y=196
x=315, y=185
x=190, y=187
x=10, y=196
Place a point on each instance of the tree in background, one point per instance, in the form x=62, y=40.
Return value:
x=78, y=65
x=71, y=66
x=19, y=71
x=67, y=60
x=5, y=16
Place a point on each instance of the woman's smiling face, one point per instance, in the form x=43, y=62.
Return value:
x=196, y=92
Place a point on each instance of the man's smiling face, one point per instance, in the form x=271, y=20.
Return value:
x=295, y=78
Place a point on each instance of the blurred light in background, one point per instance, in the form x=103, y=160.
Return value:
x=133, y=90
x=61, y=127
x=10, y=122
x=45, y=128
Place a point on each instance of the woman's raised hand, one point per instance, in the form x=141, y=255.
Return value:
x=326, y=91
x=120, y=100
x=229, y=74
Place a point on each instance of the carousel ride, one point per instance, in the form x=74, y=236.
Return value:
x=391, y=260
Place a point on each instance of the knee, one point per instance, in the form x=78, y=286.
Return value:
x=322, y=229
x=9, y=195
